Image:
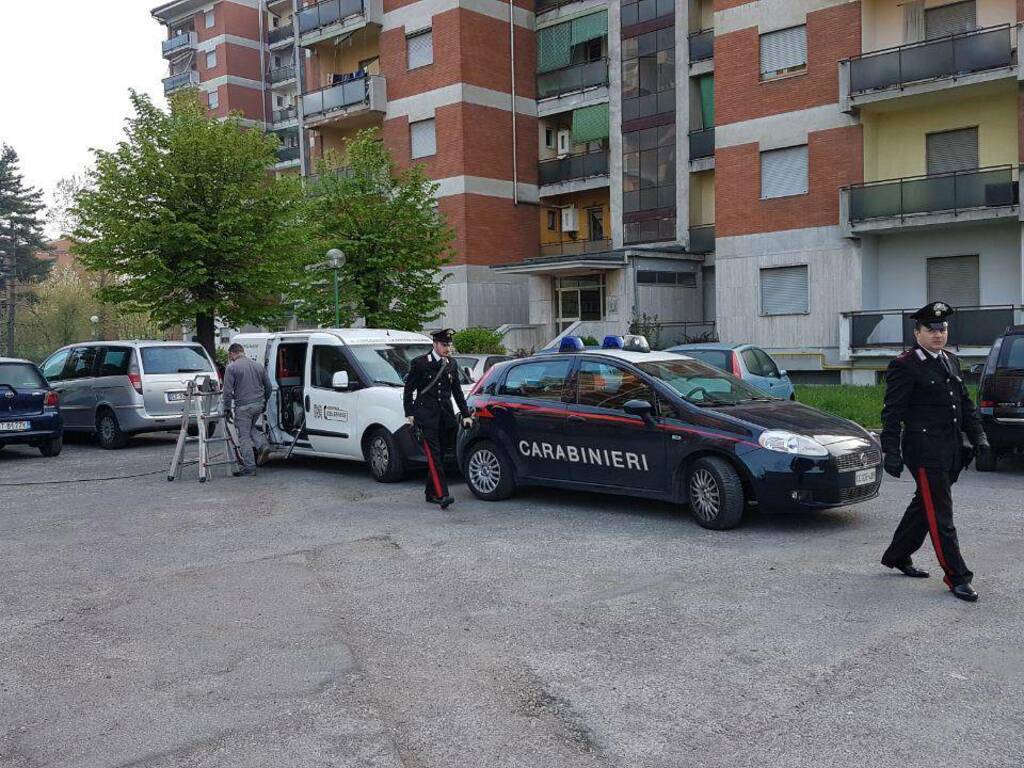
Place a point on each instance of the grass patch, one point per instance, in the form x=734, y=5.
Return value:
x=860, y=404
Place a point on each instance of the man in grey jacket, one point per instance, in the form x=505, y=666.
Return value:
x=247, y=388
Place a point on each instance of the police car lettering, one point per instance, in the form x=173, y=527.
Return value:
x=600, y=457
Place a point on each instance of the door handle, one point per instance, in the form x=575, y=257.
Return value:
x=306, y=403
x=577, y=419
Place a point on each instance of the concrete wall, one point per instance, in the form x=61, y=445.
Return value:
x=882, y=20
x=476, y=295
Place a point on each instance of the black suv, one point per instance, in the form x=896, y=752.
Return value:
x=1001, y=396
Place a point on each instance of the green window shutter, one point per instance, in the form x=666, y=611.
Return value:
x=707, y=100
x=590, y=123
x=554, y=47
x=588, y=27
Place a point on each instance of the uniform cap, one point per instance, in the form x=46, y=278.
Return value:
x=445, y=335
x=934, y=315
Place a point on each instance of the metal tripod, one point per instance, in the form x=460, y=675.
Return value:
x=199, y=408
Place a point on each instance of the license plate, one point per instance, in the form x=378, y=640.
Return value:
x=864, y=477
x=175, y=397
x=15, y=426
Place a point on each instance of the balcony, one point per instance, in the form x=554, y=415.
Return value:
x=575, y=247
x=178, y=44
x=702, y=239
x=967, y=58
x=287, y=154
x=574, y=173
x=589, y=81
x=331, y=18
x=887, y=332
x=278, y=37
x=702, y=45
x=333, y=103
x=702, y=149
x=285, y=115
x=282, y=74
x=180, y=80
x=938, y=199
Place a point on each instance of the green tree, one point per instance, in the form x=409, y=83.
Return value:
x=394, y=238
x=187, y=222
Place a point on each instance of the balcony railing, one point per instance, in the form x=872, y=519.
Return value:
x=702, y=239
x=180, y=42
x=580, y=166
x=280, y=74
x=543, y=6
x=702, y=143
x=938, y=193
x=577, y=77
x=688, y=332
x=944, y=57
x=702, y=45
x=575, y=247
x=281, y=115
x=327, y=13
x=339, y=96
x=285, y=154
x=280, y=34
x=180, y=80
x=894, y=328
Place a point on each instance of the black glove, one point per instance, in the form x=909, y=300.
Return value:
x=893, y=464
x=983, y=447
x=967, y=454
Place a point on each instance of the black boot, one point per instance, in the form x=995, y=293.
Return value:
x=908, y=569
x=964, y=592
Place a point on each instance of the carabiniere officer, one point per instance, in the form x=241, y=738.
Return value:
x=927, y=411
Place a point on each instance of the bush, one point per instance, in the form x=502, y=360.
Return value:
x=591, y=341
x=479, y=341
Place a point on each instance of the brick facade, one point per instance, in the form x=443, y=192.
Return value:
x=490, y=230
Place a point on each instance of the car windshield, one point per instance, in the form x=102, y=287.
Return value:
x=20, y=376
x=388, y=363
x=157, y=360
x=700, y=384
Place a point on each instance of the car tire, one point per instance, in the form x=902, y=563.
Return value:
x=108, y=432
x=715, y=493
x=384, y=457
x=488, y=472
x=987, y=461
x=52, y=447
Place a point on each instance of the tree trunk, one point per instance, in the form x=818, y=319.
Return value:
x=205, y=333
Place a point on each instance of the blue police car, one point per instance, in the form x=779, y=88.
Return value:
x=659, y=425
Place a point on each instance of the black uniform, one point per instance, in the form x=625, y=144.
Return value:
x=433, y=414
x=926, y=400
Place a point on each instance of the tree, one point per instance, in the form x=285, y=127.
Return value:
x=188, y=223
x=480, y=341
x=21, y=238
x=394, y=239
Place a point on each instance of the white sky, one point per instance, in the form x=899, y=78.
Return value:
x=66, y=69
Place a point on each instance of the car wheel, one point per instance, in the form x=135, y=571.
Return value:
x=108, y=432
x=52, y=447
x=987, y=460
x=384, y=457
x=715, y=493
x=488, y=472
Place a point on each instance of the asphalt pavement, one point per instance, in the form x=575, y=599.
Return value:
x=312, y=617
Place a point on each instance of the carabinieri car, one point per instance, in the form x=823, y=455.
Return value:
x=659, y=425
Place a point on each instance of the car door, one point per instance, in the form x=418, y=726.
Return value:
x=754, y=375
x=111, y=385
x=331, y=415
x=77, y=398
x=615, y=449
x=778, y=384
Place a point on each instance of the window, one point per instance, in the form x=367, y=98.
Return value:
x=767, y=365
x=680, y=279
x=639, y=11
x=326, y=362
x=954, y=280
x=951, y=19
x=542, y=380
x=422, y=140
x=1012, y=354
x=648, y=170
x=719, y=358
x=648, y=74
x=784, y=172
x=420, y=49
x=493, y=360
x=601, y=385
x=20, y=376
x=210, y=19
x=784, y=291
x=783, y=52
x=168, y=359
x=952, y=150
x=80, y=363
x=549, y=138
x=211, y=59
x=595, y=224
x=54, y=365
x=213, y=99
x=114, y=361
x=387, y=363
x=553, y=221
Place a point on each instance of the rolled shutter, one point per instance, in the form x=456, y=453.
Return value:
x=783, y=50
x=952, y=150
x=420, y=49
x=784, y=172
x=422, y=139
x=784, y=290
x=589, y=27
x=954, y=280
x=950, y=19
x=590, y=123
x=554, y=47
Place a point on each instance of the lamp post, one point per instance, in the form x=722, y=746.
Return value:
x=95, y=325
x=335, y=261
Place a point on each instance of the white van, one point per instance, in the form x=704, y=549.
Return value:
x=339, y=392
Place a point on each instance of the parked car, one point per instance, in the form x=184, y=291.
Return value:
x=116, y=389
x=1001, y=397
x=744, y=361
x=29, y=408
x=477, y=365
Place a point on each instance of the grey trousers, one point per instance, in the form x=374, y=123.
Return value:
x=248, y=435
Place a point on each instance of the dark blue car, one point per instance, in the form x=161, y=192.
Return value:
x=29, y=408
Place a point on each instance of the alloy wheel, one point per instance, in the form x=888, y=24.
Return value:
x=484, y=470
x=705, y=496
x=380, y=457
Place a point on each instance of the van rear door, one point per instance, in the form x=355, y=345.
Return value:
x=166, y=371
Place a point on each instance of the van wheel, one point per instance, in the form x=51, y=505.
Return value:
x=715, y=493
x=986, y=461
x=108, y=432
x=384, y=457
x=52, y=447
x=488, y=472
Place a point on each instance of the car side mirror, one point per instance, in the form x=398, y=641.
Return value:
x=640, y=408
x=783, y=373
x=339, y=380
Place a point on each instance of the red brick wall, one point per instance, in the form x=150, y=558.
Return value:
x=236, y=60
x=238, y=98
x=835, y=159
x=490, y=230
x=740, y=94
x=721, y=5
x=229, y=19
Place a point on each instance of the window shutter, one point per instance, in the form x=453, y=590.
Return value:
x=952, y=150
x=589, y=27
x=784, y=172
x=420, y=49
x=422, y=139
x=954, y=280
x=950, y=19
x=590, y=123
x=784, y=290
x=783, y=50
x=913, y=22
x=554, y=47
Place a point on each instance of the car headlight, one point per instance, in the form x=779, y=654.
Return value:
x=790, y=442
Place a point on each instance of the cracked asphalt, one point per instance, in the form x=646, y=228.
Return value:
x=312, y=617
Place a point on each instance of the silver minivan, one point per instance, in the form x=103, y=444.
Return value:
x=116, y=389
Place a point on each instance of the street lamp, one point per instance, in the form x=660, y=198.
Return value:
x=95, y=320
x=335, y=261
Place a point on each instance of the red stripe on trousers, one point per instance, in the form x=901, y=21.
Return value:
x=432, y=469
x=933, y=524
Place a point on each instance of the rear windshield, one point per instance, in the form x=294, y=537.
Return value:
x=1012, y=353
x=20, y=376
x=716, y=357
x=175, y=360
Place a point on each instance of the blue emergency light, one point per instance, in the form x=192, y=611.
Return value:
x=612, y=342
x=571, y=344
